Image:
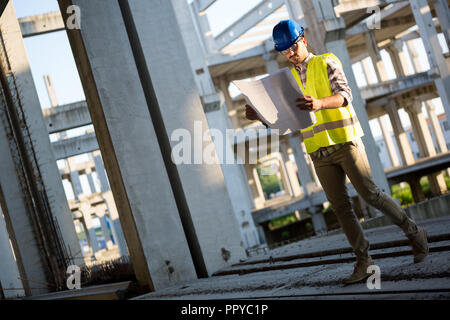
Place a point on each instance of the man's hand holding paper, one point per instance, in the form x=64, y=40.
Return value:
x=274, y=101
x=309, y=103
x=250, y=113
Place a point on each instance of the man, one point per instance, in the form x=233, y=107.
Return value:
x=335, y=146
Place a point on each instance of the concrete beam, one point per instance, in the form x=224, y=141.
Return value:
x=385, y=22
x=393, y=86
x=249, y=20
x=300, y=203
x=202, y=5
x=421, y=167
x=424, y=92
x=66, y=117
x=70, y=147
x=247, y=74
x=82, y=168
x=353, y=5
x=218, y=59
x=41, y=24
x=410, y=35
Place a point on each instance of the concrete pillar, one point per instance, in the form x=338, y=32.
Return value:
x=10, y=276
x=368, y=210
x=398, y=58
x=306, y=178
x=429, y=36
x=258, y=185
x=217, y=114
x=255, y=186
x=318, y=220
x=400, y=135
x=101, y=173
x=231, y=111
x=14, y=207
x=90, y=181
x=18, y=63
x=284, y=174
x=425, y=144
x=271, y=62
x=106, y=233
x=435, y=126
x=420, y=128
x=374, y=54
x=315, y=31
x=100, y=213
x=414, y=56
x=312, y=169
x=74, y=179
x=367, y=71
x=108, y=52
x=235, y=179
x=437, y=184
x=443, y=14
x=295, y=10
x=388, y=142
x=416, y=190
x=51, y=91
x=437, y=130
x=203, y=28
x=290, y=170
x=116, y=227
x=85, y=230
x=87, y=211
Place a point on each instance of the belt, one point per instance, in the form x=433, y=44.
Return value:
x=326, y=151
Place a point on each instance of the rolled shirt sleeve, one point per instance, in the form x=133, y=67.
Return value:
x=338, y=81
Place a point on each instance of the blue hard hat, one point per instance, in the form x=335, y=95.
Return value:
x=286, y=33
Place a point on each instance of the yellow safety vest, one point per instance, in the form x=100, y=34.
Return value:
x=333, y=126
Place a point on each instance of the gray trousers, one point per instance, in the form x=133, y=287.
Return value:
x=351, y=160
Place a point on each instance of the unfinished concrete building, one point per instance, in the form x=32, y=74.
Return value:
x=187, y=221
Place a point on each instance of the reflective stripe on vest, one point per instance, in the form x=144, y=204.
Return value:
x=328, y=126
x=335, y=125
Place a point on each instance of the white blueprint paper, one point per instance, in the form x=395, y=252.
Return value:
x=273, y=99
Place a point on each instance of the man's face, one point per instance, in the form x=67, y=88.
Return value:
x=298, y=52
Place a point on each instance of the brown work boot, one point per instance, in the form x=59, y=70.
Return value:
x=419, y=244
x=359, y=271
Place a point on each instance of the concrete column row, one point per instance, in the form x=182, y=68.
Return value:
x=426, y=145
x=438, y=66
x=418, y=123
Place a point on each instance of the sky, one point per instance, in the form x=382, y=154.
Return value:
x=51, y=53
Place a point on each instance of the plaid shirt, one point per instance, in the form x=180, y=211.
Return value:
x=338, y=81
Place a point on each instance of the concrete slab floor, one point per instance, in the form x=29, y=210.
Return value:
x=400, y=277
